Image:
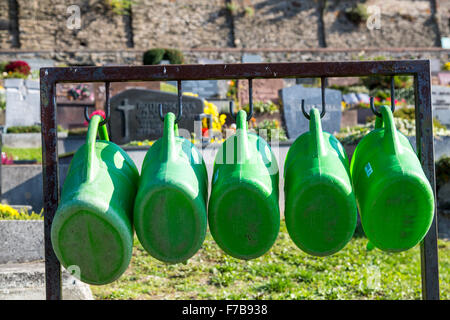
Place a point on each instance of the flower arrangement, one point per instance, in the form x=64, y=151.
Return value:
x=19, y=66
x=6, y=159
x=218, y=120
x=80, y=92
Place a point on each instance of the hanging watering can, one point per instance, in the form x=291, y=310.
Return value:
x=394, y=197
x=92, y=228
x=320, y=207
x=243, y=211
x=170, y=207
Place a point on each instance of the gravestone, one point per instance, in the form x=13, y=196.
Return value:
x=251, y=58
x=444, y=78
x=23, y=106
x=296, y=123
x=36, y=64
x=435, y=65
x=440, y=99
x=135, y=114
x=263, y=90
x=206, y=89
x=350, y=98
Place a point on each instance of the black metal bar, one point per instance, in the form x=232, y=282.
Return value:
x=50, y=181
x=425, y=151
x=235, y=71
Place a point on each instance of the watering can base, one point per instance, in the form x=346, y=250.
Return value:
x=98, y=247
x=407, y=214
x=170, y=223
x=321, y=217
x=243, y=221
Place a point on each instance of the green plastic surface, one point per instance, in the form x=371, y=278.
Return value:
x=92, y=228
x=243, y=212
x=394, y=197
x=170, y=207
x=320, y=206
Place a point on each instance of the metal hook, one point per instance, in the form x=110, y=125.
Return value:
x=107, y=107
x=180, y=104
x=372, y=106
x=250, y=102
x=322, y=113
x=250, y=99
x=392, y=94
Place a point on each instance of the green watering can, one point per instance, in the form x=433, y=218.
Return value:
x=170, y=207
x=394, y=197
x=92, y=227
x=243, y=212
x=320, y=206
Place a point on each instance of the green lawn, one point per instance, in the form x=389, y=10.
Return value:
x=24, y=153
x=284, y=272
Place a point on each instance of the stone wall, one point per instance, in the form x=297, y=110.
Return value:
x=180, y=24
x=134, y=57
x=273, y=23
x=5, y=41
x=42, y=24
x=403, y=23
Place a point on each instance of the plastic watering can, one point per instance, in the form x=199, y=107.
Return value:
x=320, y=206
x=394, y=197
x=243, y=211
x=170, y=207
x=92, y=228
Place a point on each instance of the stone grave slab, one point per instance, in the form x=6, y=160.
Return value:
x=206, y=89
x=135, y=114
x=296, y=123
x=444, y=78
x=440, y=99
x=251, y=58
x=23, y=106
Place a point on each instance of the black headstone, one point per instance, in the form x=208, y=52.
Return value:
x=135, y=114
x=296, y=123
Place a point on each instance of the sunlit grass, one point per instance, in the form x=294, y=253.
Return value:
x=284, y=272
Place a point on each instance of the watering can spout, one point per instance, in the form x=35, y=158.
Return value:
x=315, y=128
x=92, y=161
x=242, y=136
x=168, y=139
x=390, y=141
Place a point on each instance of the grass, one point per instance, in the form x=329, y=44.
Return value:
x=24, y=153
x=284, y=272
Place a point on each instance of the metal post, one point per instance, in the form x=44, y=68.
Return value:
x=50, y=180
x=425, y=151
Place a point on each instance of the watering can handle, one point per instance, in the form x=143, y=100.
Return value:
x=315, y=129
x=168, y=138
x=242, y=137
x=390, y=140
x=92, y=162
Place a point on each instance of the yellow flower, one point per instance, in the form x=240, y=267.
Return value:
x=139, y=143
x=222, y=119
x=191, y=94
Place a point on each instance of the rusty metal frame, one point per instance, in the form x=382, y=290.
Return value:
x=49, y=77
